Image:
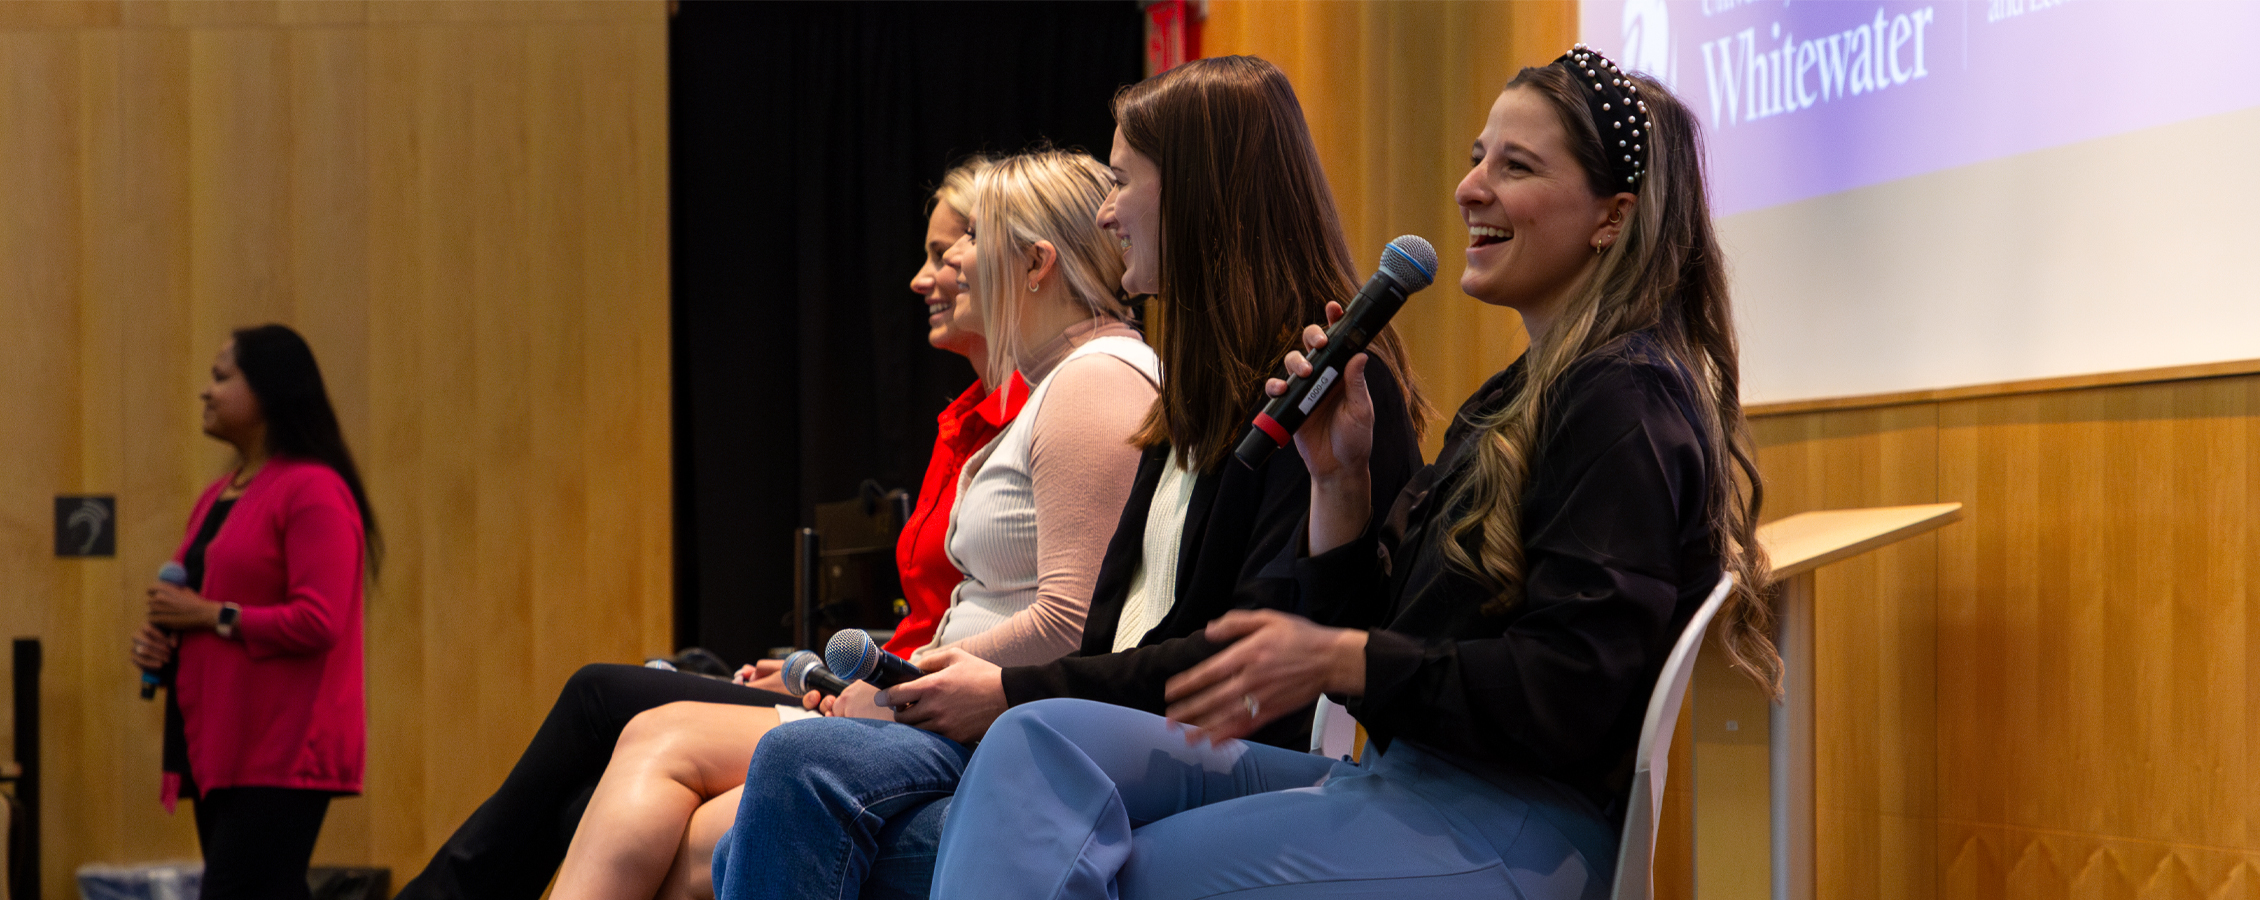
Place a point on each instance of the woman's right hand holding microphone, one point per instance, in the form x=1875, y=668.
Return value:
x=1336, y=442
x=152, y=647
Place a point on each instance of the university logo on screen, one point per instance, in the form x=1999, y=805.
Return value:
x=1804, y=99
x=1749, y=80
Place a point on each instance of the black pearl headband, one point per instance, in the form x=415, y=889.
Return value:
x=1618, y=112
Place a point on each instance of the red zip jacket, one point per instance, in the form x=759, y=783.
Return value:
x=965, y=427
x=280, y=705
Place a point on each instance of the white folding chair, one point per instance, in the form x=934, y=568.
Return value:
x=1636, y=851
x=1333, y=731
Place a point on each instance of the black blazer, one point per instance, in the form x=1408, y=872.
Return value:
x=1243, y=533
x=1618, y=552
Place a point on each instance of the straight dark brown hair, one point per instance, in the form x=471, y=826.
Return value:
x=1251, y=247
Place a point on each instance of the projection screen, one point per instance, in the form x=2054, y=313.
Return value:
x=1919, y=195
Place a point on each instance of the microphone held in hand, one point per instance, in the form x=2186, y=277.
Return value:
x=1408, y=265
x=173, y=573
x=805, y=672
x=852, y=655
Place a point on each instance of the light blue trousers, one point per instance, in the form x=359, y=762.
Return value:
x=1068, y=798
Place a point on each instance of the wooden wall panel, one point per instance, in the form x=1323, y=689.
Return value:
x=1875, y=630
x=2054, y=697
x=1395, y=93
x=463, y=207
x=39, y=282
x=2097, y=642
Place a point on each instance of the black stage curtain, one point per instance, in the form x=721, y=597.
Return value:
x=805, y=138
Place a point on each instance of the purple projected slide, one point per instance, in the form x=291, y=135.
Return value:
x=1801, y=99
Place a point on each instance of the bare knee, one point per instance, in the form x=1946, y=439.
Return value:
x=657, y=732
x=703, y=745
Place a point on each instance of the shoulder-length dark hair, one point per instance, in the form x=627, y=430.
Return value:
x=1251, y=246
x=281, y=372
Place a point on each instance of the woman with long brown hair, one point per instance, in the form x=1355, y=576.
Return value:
x=1588, y=498
x=1225, y=217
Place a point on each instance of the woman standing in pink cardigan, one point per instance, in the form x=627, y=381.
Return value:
x=264, y=722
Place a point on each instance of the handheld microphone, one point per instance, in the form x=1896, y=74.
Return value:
x=805, y=672
x=851, y=655
x=173, y=573
x=1408, y=264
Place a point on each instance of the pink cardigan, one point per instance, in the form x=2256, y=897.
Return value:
x=281, y=704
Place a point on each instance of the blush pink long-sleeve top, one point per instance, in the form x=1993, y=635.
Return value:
x=1078, y=465
x=280, y=704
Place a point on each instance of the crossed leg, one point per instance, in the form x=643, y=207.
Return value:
x=642, y=831
x=692, y=877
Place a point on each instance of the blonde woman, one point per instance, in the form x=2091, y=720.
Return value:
x=510, y=848
x=1034, y=511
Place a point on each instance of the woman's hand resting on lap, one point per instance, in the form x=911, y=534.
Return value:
x=859, y=701
x=1281, y=662
x=959, y=698
x=767, y=675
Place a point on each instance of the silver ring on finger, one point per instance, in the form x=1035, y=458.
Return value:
x=1254, y=708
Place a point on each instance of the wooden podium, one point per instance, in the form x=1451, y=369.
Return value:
x=1753, y=766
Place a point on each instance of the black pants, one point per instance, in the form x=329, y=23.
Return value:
x=514, y=842
x=258, y=841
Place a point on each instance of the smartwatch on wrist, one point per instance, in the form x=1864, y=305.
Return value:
x=229, y=615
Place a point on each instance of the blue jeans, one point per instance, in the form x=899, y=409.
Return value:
x=839, y=808
x=1068, y=798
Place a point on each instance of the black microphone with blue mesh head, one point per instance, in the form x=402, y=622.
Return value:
x=172, y=573
x=1408, y=264
x=805, y=672
x=852, y=655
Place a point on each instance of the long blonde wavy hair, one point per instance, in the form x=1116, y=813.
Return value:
x=1665, y=273
x=1043, y=195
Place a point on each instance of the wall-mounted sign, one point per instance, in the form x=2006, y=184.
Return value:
x=86, y=525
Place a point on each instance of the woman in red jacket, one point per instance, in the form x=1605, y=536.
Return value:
x=264, y=723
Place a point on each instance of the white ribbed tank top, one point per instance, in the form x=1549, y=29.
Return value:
x=992, y=532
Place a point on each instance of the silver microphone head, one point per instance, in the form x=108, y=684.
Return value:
x=797, y=667
x=173, y=573
x=851, y=654
x=1410, y=261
